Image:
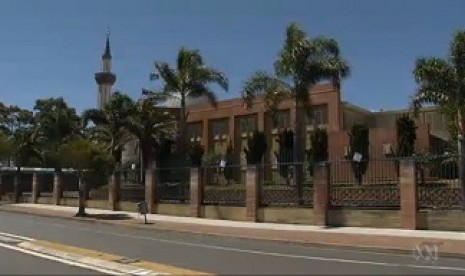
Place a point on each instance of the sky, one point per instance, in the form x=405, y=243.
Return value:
x=52, y=48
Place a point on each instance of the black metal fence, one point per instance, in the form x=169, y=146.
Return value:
x=173, y=185
x=224, y=185
x=371, y=184
x=278, y=187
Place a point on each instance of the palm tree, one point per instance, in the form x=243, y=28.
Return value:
x=189, y=80
x=110, y=124
x=441, y=82
x=302, y=63
x=146, y=123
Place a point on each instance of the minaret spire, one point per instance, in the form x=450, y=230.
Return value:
x=107, y=54
x=105, y=78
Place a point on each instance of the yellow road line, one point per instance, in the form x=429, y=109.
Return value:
x=156, y=267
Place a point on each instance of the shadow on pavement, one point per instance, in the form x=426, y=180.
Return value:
x=108, y=216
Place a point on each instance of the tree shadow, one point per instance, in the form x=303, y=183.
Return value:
x=108, y=216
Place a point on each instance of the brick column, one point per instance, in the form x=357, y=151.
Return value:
x=321, y=194
x=408, y=194
x=57, y=188
x=151, y=197
x=35, y=187
x=195, y=191
x=252, y=193
x=114, y=187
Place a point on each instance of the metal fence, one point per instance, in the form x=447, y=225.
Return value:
x=372, y=184
x=224, y=185
x=438, y=182
x=173, y=185
x=278, y=187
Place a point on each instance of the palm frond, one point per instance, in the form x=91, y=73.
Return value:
x=261, y=83
x=168, y=75
x=201, y=90
x=208, y=75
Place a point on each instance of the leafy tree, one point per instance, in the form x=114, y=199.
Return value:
x=302, y=63
x=190, y=79
x=56, y=123
x=6, y=147
x=256, y=148
x=111, y=124
x=91, y=162
x=285, y=154
x=406, y=136
x=228, y=170
x=359, y=144
x=319, y=148
x=196, y=152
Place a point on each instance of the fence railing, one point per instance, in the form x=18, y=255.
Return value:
x=224, y=185
x=374, y=184
x=173, y=185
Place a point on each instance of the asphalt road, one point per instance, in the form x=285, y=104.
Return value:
x=217, y=254
x=16, y=263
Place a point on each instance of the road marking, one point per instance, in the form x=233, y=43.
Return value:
x=89, y=259
x=258, y=252
x=265, y=253
x=15, y=236
x=44, y=256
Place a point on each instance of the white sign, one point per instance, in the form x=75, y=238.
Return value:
x=357, y=157
x=223, y=163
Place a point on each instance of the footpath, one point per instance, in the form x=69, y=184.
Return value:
x=376, y=239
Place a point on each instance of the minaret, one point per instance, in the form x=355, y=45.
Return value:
x=105, y=79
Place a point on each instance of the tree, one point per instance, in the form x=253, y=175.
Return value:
x=406, y=136
x=89, y=159
x=56, y=123
x=111, y=124
x=189, y=80
x=196, y=152
x=285, y=154
x=228, y=169
x=302, y=63
x=441, y=82
x=359, y=153
x=256, y=148
x=147, y=123
x=319, y=148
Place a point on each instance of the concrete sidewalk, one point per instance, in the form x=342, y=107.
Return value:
x=448, y=243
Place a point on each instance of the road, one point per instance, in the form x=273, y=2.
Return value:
x=12, y=262
x=212, y=254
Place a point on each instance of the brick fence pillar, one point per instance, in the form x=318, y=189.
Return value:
x=195, y=191
x=151, y=197
x=321, y=194
x=408, y=194
x=57, y=188
x=252, y=193
x=35, y=187
x=114, y=189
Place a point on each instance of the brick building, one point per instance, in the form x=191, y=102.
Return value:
x=231, y=122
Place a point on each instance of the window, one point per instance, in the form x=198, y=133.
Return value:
x=281, y=120
x=247, y=124
x=318, y=115
x=220, y=128
x=194, y=131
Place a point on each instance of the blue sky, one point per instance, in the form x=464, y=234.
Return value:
x=53, y=48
